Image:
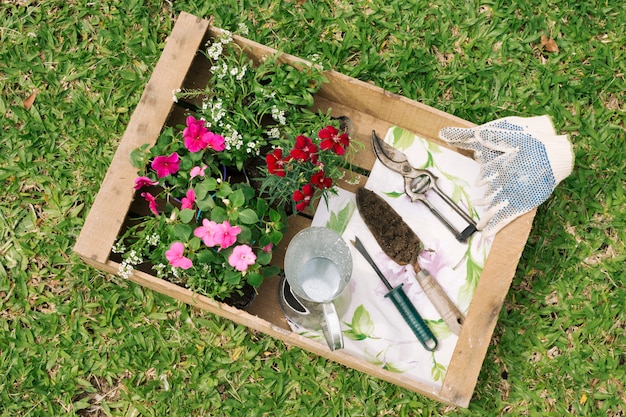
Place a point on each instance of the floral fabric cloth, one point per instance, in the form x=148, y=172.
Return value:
x=373, y=329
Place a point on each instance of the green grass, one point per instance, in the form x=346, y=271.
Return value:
x=74, y=341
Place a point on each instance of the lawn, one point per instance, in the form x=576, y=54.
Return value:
x=75, y=341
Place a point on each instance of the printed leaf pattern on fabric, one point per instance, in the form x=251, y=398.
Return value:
x=362, y=326
x=474, y=270
x=439, y=328
x=438, y=371
x=402, y=139
x=368, y=334
x=394, y=194
x=338, y=221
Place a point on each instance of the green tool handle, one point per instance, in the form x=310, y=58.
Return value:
x=413, y=318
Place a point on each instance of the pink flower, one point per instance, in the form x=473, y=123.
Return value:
x=151, y=203
x=175, y=256
x=166, y=165
x=141, y=182
x=332, y=140
x=242, y=257
x=188, y=200
x=214, y=141
x=225, y=234
x=268, y=248
x=197, y=171
x=213, y=234
x=193, y=133
x=206, y=231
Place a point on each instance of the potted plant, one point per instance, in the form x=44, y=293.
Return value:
x=206, y=227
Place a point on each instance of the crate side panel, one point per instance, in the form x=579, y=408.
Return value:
x=113, y=200
x=482, y=316
x=392, y=108
x=256, y=323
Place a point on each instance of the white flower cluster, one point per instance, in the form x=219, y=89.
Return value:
x=279, y=115
x=274, y=133
x=153, y=239
x=175, y=94
x=160, y=269
x=222, y=70
x=243, y=29
x=232, y=139
x=241, y=73
x=217, y=111
x=128, y=265
x=215, y=51
x=125, y=270
x=118, y=247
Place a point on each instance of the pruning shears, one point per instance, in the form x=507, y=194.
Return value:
x=417, y=182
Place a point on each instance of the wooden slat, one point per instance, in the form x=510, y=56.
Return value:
x=113, y=200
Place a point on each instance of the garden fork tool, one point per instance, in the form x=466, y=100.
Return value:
x=419, y=181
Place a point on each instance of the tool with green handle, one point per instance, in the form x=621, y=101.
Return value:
x=402, y=303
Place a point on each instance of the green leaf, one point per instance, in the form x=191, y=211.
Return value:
x=194, y=243
x=254, y=278
x=186, y=215
x=139, y=156
x=181, y=231
x=218, y=214
x=237, y=198
x=270, y=271
x=205, y=256
x=245, y=236
x=275, y=237
x=225, y=191
x=275, y=216
x=262, y=207
x=205, y=187
x=232, y=276
x=264, y=258
x=205, y=204
x=248, y=216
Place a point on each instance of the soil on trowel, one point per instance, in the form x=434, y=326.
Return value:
x=394, y=236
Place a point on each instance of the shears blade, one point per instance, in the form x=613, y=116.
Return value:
x=388, y=155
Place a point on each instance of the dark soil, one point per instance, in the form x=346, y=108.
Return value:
x=394, y=236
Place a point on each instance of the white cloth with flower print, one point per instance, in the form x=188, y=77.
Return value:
x=373, y=329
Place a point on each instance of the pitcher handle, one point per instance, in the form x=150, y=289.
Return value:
x=331, y=326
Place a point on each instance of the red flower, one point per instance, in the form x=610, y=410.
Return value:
x=303, y=197
x=332, y=140
x=276, y=162
x=304, y=150
x=320, y=181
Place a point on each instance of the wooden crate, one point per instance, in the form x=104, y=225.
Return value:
x=369, y=107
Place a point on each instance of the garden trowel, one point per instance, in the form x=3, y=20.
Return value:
x=402, y=245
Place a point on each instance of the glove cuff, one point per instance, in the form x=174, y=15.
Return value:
x=561, y=156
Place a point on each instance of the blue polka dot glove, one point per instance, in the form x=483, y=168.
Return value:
x=522, y=162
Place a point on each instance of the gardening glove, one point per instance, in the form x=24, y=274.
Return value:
x=522, y=161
